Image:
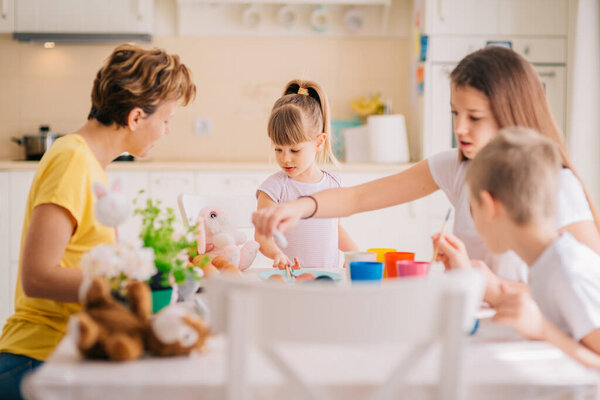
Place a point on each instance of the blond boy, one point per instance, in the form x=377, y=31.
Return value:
x=514, y=183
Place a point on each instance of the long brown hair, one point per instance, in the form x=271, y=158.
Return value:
x=298, y=117
x=516, y=95
x=136, y=77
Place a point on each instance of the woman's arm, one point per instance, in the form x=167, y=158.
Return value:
x=345, y=242
x=585, y=232
x=408, y=185
x=49, y=232
x=267, y=245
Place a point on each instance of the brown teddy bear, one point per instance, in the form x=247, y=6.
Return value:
x=108, y=329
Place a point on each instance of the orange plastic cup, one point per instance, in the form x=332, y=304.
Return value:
x=391, y=271
x=380, y=251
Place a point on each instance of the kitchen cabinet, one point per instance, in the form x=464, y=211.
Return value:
x=90, y=16
x=20, y=182
x=288, y=18
x=5, y=299
x=7, y=12
x=166, y=186
x=496, y=17
x=132, y=182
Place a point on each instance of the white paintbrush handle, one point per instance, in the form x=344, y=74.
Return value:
x=279, y=239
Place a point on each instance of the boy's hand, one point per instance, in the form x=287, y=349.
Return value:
x=451, y=251
x=516, y=308
x=281, y=261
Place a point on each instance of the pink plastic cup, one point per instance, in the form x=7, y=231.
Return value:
x=411, y=268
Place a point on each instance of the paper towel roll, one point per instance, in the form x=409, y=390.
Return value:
x=387, y=139
x=357, y=144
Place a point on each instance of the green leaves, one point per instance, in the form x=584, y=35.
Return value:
x=171, y=253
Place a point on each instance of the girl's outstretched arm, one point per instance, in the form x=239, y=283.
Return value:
x=408, y=185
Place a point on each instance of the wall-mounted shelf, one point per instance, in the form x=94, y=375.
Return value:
x=333, y=18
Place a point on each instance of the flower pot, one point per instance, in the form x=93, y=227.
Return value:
x=161, y=298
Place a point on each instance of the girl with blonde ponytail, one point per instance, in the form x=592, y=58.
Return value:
x=299, y=131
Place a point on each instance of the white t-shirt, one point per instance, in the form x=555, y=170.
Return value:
x=313, y=241
x=449, y=174
x=565, y=283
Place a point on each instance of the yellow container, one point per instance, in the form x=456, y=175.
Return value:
x=380, y=251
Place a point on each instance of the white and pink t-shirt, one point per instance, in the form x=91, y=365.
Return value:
x=313, y=241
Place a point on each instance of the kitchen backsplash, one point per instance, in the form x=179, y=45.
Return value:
x=238, y=79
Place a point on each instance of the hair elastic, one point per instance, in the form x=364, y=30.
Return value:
x=303, y=91
x=316, y=206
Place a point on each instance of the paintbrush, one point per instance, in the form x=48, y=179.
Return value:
x=279, y=239
x=436, y=247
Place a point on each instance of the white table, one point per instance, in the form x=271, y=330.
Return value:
x=497, y=366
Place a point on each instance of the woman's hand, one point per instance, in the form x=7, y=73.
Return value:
x=451, y=251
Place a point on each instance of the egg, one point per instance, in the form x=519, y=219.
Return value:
x=231, y=270
x=276, y=278
x=307, y=276
x=210, y=270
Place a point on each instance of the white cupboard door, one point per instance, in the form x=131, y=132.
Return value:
x=166, y=186
x=534, y=17
x=438, y=117
x=7, y=16
x=379, y=228
x=5, y=299
x=132, y=182
x=20, y=183
x=14, y=271
x=90, y=16
x=554, y=80
x=462, y=17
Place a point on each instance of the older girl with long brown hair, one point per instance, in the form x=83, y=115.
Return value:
x=134, y=96
x=491, y=89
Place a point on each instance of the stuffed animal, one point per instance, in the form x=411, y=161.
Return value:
x=108, y=329
x=217, y=237
x=176, y=331
x=112, y=207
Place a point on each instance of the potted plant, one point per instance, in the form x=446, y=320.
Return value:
x=172, y=251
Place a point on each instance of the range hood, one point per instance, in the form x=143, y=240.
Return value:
x=81, y=37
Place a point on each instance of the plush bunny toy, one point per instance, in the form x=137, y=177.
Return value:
x=112, y=207
x=217, y=237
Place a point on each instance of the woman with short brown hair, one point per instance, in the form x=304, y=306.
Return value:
x=133, y=97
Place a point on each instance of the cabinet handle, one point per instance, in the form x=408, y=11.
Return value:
x=4, y=8
x=549, y=74
x=440, y=6
x=138, y=9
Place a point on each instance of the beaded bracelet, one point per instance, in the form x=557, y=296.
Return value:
x=316, y=206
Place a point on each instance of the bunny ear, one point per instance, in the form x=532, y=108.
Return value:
x=116, y=186
x=99, y=189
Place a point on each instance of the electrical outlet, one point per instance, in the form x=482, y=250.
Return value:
x=203, y=126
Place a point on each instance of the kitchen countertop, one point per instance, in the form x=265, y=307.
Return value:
x=145, y=165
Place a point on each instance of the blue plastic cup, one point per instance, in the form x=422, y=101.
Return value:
x=366, y=271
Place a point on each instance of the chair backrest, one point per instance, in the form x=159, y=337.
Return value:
x=239, y=207
x=416, y=311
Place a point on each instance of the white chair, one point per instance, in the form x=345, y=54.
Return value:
x=416, y=312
